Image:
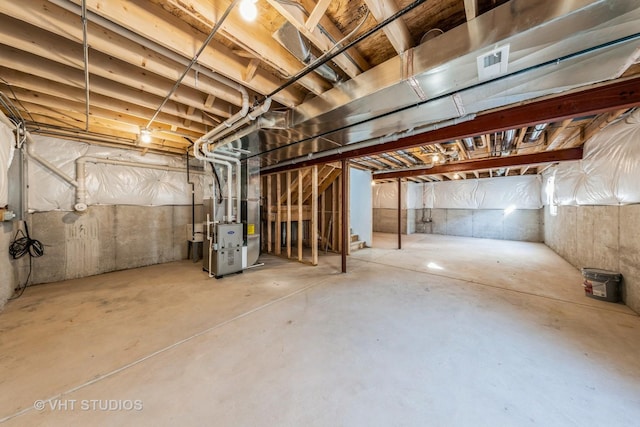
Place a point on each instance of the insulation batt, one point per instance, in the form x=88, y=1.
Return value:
x=609, y=172
x=520, y=192
x=7, y=142
x=108, y=184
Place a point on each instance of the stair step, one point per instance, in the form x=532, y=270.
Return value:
x=355, y=238
x=358, y=244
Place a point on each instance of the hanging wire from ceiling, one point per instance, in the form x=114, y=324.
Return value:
x=193, y=61
x=328, y=56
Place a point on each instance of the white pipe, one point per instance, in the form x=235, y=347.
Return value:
x=238, y=182
x=235, y=154
x=229, y=176
x=47, y=164
x=81, y=175
x=257, y=125
x=229, y=186
x=255, y=113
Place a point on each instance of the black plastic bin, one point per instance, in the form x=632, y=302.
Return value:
x=602, y=284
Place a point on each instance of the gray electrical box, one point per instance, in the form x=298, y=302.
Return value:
x=225, y=249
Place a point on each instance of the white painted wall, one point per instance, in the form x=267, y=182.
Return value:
x=360, y=201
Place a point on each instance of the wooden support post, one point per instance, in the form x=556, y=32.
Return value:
x=288, y=214
x=300, y=221
x=264, y=213
x=323, y=219
x=399, y=213
x=314, y=216
x=340, y=212
x=278, y=248
x=334, y=215
x=268, y=189
x=345, y=212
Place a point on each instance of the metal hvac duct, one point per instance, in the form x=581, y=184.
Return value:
x=291, y=39
x=545, y=46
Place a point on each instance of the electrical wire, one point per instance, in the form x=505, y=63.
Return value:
x=23, y=245
x=217, y=179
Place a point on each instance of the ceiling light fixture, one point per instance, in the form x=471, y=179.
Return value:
x=248, y=10
x=145, y=135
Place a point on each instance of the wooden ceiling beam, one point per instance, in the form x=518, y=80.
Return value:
x=28, y=90
x=44, y=15
x=418, y=152
x=74, y=112
x=177, y=35
x=598, y=99
x=53, y=50
x=250, y=72
x=590, y=130
x=352, y=65
x=253, y=38
x=396, y=31
x=103, y=137
x=553, y=139
x=316, y=14
x=43, y=72
x=491, y=163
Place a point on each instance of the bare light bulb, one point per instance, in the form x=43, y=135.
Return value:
x=145, y=135
x=248, y=10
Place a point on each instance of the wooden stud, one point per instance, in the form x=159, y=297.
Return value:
x=288, y=214
x=323, y=218
x=399, y=213
x=314, y=216
x=300, y=221
x=340, y=178
x=334, y=216
x=269, y=188
x=278, y=248
x=344, y=220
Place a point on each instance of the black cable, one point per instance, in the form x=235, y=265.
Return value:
x=217, y=178
x=22, y=245
x=215, y=174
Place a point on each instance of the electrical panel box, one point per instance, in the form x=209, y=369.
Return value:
x=225, y=250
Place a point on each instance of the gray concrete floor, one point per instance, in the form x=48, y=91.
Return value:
x=447, y=332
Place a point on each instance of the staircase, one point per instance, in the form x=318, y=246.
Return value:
x=356, y=243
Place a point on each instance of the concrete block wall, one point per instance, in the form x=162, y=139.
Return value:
x=523, y=224
x=386, y=220
x=605, y=237
x=8, y=275
x=107, y=238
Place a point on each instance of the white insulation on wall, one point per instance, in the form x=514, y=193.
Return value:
x=7, y=143
x=519, y=192
x=385, y=196
x=609, y=172
x=108, y=184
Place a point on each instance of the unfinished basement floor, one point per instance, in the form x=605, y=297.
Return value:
x=449, y=331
